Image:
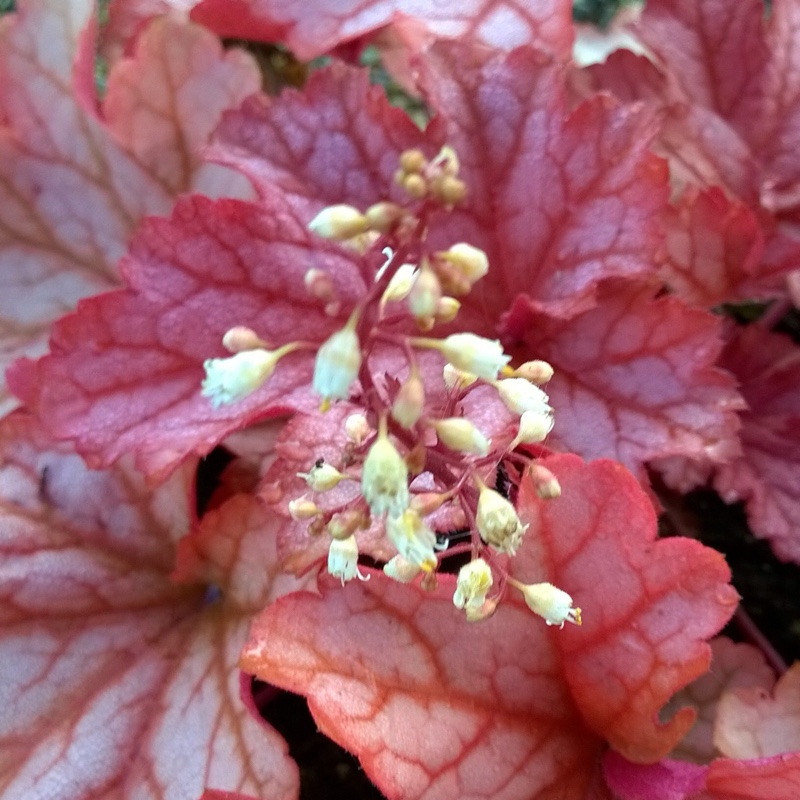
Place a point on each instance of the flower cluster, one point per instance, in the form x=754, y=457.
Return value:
x=410, y=459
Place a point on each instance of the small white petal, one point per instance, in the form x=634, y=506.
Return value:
x=498, y=523
x=550, y=602
x=233, y=378
x=343, y=560
x=473, y=584
x=414, y=540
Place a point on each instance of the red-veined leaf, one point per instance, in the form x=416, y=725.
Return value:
x=436, y=707
x=117, y=682
x=123, y=159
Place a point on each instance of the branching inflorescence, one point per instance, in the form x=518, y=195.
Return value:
x=413, y=458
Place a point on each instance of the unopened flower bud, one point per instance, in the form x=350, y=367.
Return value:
x=534, y=426
x=362, y=242
x=538, y=372
x=302, y=508
x=469, y=260
x=317, y=526
x=322, y=477
x=453, y=281
x=455, y=378
x=344, y=524
x=410, y=401
x=497, y=521
x=357, y=428
x=400, y=284
x=230, y=379
x=482, y=612
x=549, y=602
x=429, y=582
x=337, y=363
x=240, y=339
x=520, y=395
x=450, y=191
x=416, y=458
x=423, y=299
x=384, y=477
x=319, y=285
x=545, y=483
x=416, y=186
x=473, y=584
x=339, y=222
x=412, y=160
x=343, y=560
x=401, y=570
x=426, y=503
x=470, y=353
x=458, y=433
x=382, y=217
x=447, y=309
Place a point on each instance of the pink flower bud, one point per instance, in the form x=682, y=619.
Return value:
x=240, y=339
x=410, y=401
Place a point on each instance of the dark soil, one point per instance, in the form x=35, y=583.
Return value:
x=327, y=771
x=770, y=589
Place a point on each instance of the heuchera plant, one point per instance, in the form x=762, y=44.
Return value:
x=442, y=360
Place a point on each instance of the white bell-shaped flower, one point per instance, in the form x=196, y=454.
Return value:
x=343, y=560
x=414, y=540
x=497, y=521
x=230, y=379
x=473, y=584
x=549, y=602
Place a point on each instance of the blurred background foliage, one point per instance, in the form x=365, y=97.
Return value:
x=600, y=12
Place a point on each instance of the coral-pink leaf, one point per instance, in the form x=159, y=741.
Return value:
x=718, y=65
x=558, y=200
x=311, y=29
x=163, y=103
x=730, y=107
x=751, y=723
x=126, y=369
x=235, y=549
x=648, y=605
x=728, y=57
x=117, y=683
x=765, y=477
x=715, y=246
x=435, y=707
x=56, y=146
x=733, y=667
x=777, y=778
x=337, y=141
x=635, y=378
